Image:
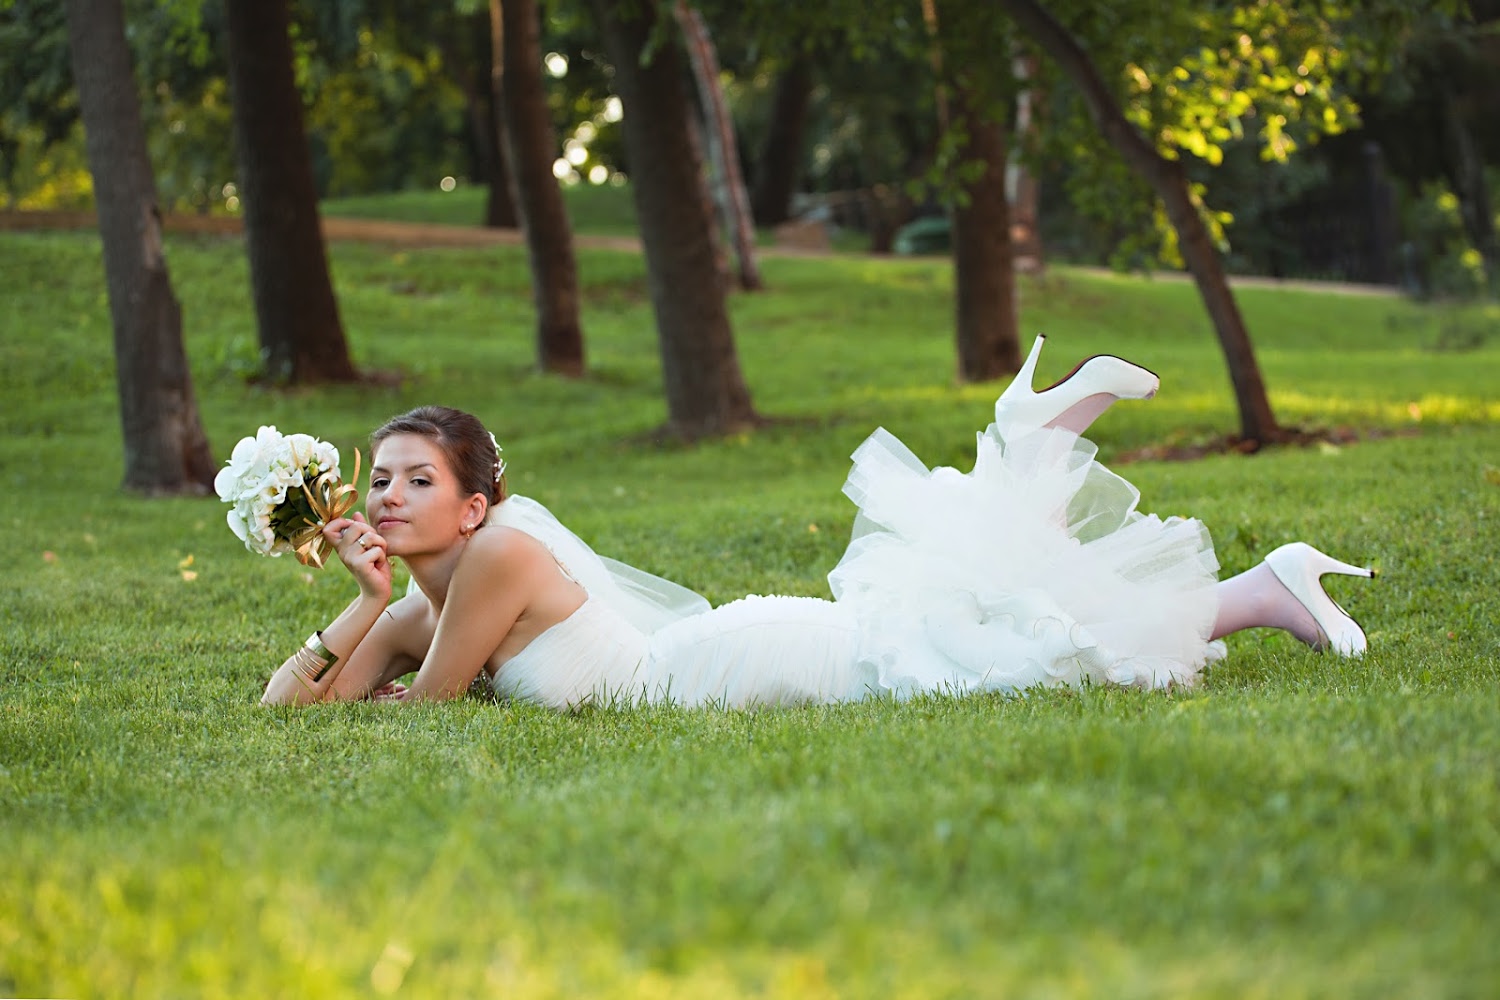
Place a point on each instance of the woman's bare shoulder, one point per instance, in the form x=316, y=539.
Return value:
x=497, y=547
x=503, y=574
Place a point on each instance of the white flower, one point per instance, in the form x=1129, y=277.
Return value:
x=300, y=449
x=238, y=524
x=248, y=463
x=250, y=520
x=328, y=459
x=272, y=490
x=311, y=457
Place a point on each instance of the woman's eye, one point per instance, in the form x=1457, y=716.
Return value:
x=378, y=483
x=419, y=481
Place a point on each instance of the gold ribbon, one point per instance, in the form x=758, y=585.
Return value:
x=329, y=498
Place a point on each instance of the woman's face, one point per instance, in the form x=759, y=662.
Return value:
x=414, y=500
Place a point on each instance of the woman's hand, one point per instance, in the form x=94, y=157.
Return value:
x=394, y=691
x=362, y=550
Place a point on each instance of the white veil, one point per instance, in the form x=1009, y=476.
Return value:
x=648, y=602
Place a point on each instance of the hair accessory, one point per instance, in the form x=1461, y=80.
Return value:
x=499, y=458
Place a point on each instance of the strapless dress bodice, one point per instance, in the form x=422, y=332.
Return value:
x=588, y=657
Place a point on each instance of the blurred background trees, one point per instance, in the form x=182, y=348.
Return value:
x=1302, y=140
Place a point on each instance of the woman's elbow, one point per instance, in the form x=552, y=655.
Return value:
x=287, y=694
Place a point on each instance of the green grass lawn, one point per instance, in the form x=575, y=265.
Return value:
x=1299, y=826
x=595, y=210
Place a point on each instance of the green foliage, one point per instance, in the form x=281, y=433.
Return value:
x=1443, y=262
x=1267, y=70
x=864, y=31
x=1203, y=82
x=1299, y=826
x=387, y=117
x=191, y=140
x=37, y=108
x=44, y=173
x=384, y=108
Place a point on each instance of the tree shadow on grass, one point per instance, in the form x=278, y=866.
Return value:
x=1233, y=444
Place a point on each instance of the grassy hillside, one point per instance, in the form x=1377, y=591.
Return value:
x=1298, y=826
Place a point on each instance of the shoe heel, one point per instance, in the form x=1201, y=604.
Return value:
x=1021, y=384
x=1321, y=562
x=1018, y=396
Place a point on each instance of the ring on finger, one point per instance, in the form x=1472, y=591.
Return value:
x=364, y=541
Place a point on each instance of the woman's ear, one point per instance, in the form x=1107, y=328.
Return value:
x=476, y=509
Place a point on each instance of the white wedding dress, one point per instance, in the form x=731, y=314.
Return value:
x=1035, y=568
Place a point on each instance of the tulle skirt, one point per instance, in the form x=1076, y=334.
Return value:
x=1033, y=569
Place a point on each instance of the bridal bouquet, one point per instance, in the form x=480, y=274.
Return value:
x=284, y=488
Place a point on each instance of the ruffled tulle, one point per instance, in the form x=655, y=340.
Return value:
x=1033, y=569
x=646, y=601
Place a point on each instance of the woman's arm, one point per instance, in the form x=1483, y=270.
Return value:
x=493, y=585
x=307, y=676
x=310, y=673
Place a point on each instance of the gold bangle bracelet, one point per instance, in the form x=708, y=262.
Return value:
x=321, y=654
x=307, y=666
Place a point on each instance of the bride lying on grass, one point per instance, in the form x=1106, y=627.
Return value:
x=1033, y=569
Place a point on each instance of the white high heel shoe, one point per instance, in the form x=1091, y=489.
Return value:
x=1298, y=566
x=1020, y=409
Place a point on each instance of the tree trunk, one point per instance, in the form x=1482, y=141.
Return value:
x=499, y=200
x=935, y=55
x=778, y=168
x=724, y=154
x=888, y=208
x=301, y=337
x=480, y=81
x=1022, y=187
x=531, y=147
x=1169, y=179
x=705, y=194
x=166, y=451
x=984, y=266
x=706, y=393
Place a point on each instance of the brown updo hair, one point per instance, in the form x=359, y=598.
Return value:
x=464, y=442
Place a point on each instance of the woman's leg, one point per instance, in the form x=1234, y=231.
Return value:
x=1285, y=591
x=1257, y=599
